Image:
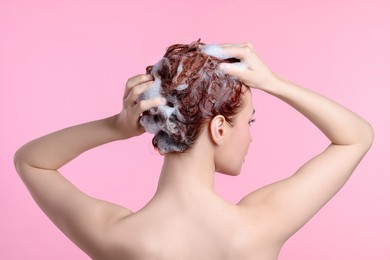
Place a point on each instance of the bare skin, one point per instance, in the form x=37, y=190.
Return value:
x=186, y=219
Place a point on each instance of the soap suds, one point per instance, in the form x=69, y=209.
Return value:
x=156, y=67
x=179, y=69
x=166, y=145
x=181, y=87
x=154, y=91
x=149, y=124
x=168, y=111
x=218, y=52
x=159, y=121
x=215, y=51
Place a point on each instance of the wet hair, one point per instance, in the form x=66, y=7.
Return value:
x=196, y=90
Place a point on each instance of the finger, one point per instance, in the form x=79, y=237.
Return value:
x=234, y=69
x=136, y=91
x=136, y=80
x=145, y=105
x=228, y=45
x=242, y=51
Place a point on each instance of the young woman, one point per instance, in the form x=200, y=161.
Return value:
x=198, y=103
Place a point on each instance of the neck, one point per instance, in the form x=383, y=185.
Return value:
x=187, y=173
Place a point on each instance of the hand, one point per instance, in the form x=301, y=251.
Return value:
x=128, y=119
x=255, y=74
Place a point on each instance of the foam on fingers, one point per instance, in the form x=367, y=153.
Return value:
x=154, y=91
x=215, y=51
x=218, y=52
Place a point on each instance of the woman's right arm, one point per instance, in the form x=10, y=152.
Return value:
x=85, y=220
x=294, y=200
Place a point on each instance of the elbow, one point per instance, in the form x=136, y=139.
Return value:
x=368, y=136
x=371, y=130
x=19, y=160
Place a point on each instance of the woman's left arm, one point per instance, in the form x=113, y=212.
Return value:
x=83, y=219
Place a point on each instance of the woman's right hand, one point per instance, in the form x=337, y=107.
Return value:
x=255, y=74
x=128, y=120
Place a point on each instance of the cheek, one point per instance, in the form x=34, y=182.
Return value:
x=242, y=143
x=247, y=136
x=246, y=141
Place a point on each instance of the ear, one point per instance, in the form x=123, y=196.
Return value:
x=218, y=129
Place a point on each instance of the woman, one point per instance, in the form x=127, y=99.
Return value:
x=198, y=102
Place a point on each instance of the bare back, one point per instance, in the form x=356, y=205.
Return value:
x=208, y=229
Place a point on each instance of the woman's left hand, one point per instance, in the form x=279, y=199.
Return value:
x=128, y=119
x=256, y=74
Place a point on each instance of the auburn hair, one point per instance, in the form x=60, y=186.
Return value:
x=193, y=84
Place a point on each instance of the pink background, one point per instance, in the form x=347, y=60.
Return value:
x=66, y=62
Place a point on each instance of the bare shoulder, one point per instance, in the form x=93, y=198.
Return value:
x=85, y=220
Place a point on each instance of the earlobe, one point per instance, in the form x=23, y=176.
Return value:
x=217, y=129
